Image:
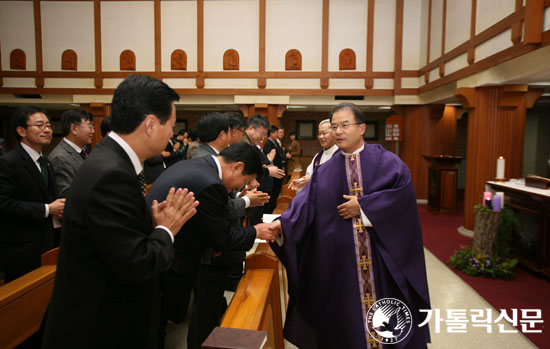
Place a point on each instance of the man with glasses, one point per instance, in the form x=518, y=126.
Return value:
x=350, y=238
x=28, y=198
x=255, y=134
x=69, y=154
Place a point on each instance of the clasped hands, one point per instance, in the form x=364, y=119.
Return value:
x=268, y=231
x=179, y=206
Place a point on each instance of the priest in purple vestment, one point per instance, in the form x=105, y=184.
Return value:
x=351, y=238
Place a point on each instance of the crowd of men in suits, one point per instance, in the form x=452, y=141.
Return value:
x=119, y=252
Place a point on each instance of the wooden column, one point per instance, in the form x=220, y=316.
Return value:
x=272, y=112
x=99, y=111
x=496, y=126
x=427, y=129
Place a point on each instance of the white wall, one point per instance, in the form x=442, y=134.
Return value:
x=17, y=31
x=179, y=31
x=68, y=25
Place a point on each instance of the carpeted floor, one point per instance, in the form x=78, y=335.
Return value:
x=524, y=291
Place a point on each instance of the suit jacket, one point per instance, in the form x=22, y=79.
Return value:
x=266, y=182
x=279, y=153
x=24, y=231
x=107, y=286
x=209, y=228
x=235, y=210
x=66, y=161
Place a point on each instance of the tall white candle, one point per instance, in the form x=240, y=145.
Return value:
x=500, y=167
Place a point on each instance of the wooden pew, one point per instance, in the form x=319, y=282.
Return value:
x=23, y=302
x=256, y=304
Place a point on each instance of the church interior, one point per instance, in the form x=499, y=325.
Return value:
x=458, y=89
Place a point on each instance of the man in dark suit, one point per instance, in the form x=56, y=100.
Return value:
x=270, y=145
x=28, y=198
x=69, y=154
x=211, y=178
x=256, y=131
x=107, y=286
x=223, y=269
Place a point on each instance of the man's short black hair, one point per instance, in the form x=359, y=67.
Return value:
x=73, y=116
x=138, y=96
x=21, y=116
x=357, y=113
x=105, y=126
x=182, y=132
x=193, y=134
x=292, y=134
x=243, y=152
x=236, y=120
x=273, y=130
x=210, y=125
x=258, y=120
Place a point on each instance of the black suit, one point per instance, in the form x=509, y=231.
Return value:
x=24, y=231
x=208, y=229
x=269, y=145
x=107, y=287
x=266, y=184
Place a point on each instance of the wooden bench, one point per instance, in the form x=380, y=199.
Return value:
x=23, y=302
x=256, y=304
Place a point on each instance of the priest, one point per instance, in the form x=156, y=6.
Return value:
x=350, y=238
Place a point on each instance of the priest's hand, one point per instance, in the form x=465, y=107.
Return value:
x=267, y=231
x=179, y=206
x=349, y=209
x=299, y=183
x=257, y=198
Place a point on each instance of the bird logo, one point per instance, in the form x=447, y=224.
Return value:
x=389, y=320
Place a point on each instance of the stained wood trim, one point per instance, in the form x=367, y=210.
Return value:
x=38, y=43
x=429, y=31
x=200, y=42
x=158, y=36
x=369, y=82
x=208, y=91
x=473, y=15
x=491, y=61
x=398, y=55
x=98, y=83
x=261, y=54
x=1, y=73
x=214, y=75
x=485, y=35
x=533, y=21
x=443, y=33
x=517, y=27
x=324, y=42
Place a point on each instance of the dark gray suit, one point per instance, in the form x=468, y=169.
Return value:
x=65, y=161
x=107, y=287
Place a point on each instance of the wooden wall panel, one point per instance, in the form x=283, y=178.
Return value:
x=427, y=130
x=496, y=127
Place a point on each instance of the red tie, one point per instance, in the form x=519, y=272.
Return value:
x=83, y=154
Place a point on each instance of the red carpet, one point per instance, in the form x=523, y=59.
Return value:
x=524, y=291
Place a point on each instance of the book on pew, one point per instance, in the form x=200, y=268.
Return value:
x=235, y=338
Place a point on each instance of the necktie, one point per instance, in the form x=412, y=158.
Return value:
x=141, y=179
x=43, y=169
x=83, y=154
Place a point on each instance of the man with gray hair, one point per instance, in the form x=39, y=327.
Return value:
x=327, y=141
x=68, y=155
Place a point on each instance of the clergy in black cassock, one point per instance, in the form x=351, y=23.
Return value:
x=352, y=237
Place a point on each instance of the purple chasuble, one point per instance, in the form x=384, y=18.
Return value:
x=317, y=159
x=323, y=256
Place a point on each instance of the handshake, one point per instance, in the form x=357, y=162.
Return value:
x=268, y=231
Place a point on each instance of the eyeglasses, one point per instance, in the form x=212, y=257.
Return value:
x=238, y=129
x=262, y=134
x=344, y=126
x=42, y=126
x=90, y=126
